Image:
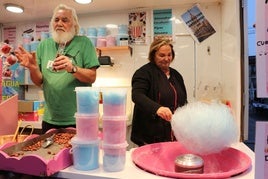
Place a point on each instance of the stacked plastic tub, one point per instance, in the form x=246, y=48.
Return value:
x=86, y=144
x=114, y=128
x=92, y=35
x=101, y=37
x=122, y=36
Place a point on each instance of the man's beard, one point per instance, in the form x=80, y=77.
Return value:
x=63, y=37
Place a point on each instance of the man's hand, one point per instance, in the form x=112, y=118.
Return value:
x=26, y=58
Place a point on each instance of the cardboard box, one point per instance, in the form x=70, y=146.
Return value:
x=29, y=105
x=28, y=116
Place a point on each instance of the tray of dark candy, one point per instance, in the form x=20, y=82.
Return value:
x=29, y=157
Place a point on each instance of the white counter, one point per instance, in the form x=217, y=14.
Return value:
x=131, y=171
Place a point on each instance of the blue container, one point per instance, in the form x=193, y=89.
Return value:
x=116, y=96
x=85, y=154
x=27, y=47
x=122, y=29
x=82, y=31
x=114, y=163
x=44, y=35
x=114, y=101
x=121, y=38
x=27, y=38
x=91, y=31
x=114, y=157
x=93, y=39
x=34, y=45
x=87, y=99
x=102, y=32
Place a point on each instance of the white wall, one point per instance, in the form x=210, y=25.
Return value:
x=231, y=58
x=189, y=55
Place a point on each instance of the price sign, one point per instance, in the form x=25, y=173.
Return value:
x=261, y=150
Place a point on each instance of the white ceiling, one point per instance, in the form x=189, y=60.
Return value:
x=43, y=9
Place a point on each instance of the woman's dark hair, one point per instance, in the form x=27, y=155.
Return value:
x=156, y=44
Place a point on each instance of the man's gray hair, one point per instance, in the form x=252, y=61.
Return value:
x=74, y=15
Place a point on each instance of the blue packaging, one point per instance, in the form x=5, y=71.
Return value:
x=114, y=157
x=85, y=154
x=34, y=45
x=113, y=163
x=91, y=31
x=122, y=29
x=101, y=32
x=87, y=99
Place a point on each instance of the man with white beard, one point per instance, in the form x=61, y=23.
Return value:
x=60, y=64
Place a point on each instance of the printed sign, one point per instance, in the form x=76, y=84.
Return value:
x=162, y=23
x=261, y=150
x=262, y=48
x=10, y=35
x=137, y=27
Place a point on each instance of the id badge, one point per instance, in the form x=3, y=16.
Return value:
x=50, y=65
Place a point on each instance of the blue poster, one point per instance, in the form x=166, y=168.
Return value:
x=162, y=23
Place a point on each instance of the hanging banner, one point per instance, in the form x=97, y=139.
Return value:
x=12, y=73
x=10, y=35
x=262, y=48
x=41, y=29
x=162, y=25
x=197, y=24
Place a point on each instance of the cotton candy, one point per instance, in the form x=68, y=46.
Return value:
x=204, y=128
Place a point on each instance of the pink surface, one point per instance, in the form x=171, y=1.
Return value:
x=9, y=115
x=159, y=159
x=34, y=164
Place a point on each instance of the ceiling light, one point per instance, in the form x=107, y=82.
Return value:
x=83, y=1
x=14, y=8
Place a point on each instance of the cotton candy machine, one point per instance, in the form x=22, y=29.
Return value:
x=159, y=159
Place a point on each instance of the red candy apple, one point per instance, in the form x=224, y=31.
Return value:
x=6, y=48
x=7, y=73
x=11, y=59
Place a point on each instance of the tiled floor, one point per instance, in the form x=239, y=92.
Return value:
x=255, y=115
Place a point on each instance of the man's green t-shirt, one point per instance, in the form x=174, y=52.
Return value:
x=59, y=87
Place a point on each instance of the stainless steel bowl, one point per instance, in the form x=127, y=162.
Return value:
x=189, y=163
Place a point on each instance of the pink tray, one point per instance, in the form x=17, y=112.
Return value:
x=33, y=164
x=159, y=159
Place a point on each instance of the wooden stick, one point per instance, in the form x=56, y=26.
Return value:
x=16, y=132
